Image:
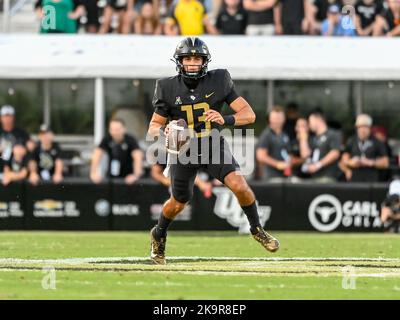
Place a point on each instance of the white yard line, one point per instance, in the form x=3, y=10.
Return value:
x=186, y=259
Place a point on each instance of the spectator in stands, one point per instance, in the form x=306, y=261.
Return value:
x=188, y=18
x=273, y=148
x=292, y=15
x=163, y=8
x=10, y=135
x=16, y=168
x=292, y=115
x=263, y=17
x=124, y=10
x=390, y=209
x=366, y=13
x=300, y=147
x=337, y=25
x=147, y=22
x=67, y=12
x=316, y=13
x=388, y=21
x=92, y=16
x=45, y=163
x=323, y=151
x=125, y=156
x=232, y=19
x=381, y=134
x=364, y=155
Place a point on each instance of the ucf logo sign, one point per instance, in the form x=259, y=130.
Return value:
x=326, y=213
x=227, y=207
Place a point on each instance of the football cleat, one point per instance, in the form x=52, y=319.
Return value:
x=267, y=241
x=157, y=254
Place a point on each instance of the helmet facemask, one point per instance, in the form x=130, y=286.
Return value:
x=182, y=69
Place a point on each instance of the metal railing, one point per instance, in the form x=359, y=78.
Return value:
x=10, y=9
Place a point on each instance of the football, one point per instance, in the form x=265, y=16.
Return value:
x=178, y=136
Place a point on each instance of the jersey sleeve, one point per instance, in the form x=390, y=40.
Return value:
x=334, y=143
x=34, y=155
x=57, y=149
x=263, y=141
x=380, y=149
x=133, y=144
x=104, y=144
x=159, y=104
x=349, y=146
x=7, y=163
x=229, y=88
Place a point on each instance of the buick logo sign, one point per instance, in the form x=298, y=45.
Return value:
x=325, y=213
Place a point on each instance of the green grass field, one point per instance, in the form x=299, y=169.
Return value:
x=202, y=265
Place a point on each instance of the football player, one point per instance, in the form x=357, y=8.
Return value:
x=197, y=96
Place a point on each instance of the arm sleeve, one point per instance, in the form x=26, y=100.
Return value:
x=133, y=144
x=58, y=150
x=335, y=142
x=7, y=163
x=263, y=142
x=229, y=89
x=104, y=144
x=160, y=106
x=34, y=155
x=381, y=150
x=348, y=147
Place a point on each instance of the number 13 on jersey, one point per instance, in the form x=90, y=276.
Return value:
x=190, y=117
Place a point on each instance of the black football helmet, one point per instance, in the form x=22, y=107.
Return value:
x=192, y=46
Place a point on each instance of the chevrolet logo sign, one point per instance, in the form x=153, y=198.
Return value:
x=48, y=204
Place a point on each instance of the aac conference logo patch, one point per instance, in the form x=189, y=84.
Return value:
x=325, y=213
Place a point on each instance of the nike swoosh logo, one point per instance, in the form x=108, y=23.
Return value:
x=209, y=95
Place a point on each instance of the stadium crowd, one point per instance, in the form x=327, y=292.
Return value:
x=228, y=17
x=292, y=148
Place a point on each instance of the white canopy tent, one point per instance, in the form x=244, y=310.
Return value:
x=140, y=57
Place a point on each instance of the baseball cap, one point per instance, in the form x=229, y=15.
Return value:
x=363, y=120
x=334, y=8
x=44, y=128
x=7, y=110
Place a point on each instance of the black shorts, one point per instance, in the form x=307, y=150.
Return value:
x=183, y=175
x=117, y=4
x=92, y=12
x=292, y=29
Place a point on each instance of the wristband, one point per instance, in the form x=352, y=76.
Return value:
x=229, y=120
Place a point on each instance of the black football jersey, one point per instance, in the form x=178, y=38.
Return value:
x=174, y=100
